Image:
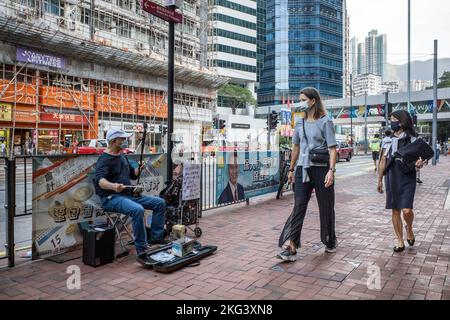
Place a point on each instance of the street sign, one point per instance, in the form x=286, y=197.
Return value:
x=166, y=14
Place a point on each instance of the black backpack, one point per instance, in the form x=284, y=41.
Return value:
x=172, y=193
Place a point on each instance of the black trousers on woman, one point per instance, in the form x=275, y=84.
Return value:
x=325, y=198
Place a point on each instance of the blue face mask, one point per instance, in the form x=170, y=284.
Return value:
x=395, y=126
x=124, y=145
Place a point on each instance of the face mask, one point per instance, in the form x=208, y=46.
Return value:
x=303, y=106
x=124, y=145
x=395, y=126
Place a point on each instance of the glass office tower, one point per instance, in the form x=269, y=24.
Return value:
x=304, y=48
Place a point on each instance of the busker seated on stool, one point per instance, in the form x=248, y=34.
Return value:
x=113, y=173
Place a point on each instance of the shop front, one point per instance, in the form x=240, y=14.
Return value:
x=154, y=135
x=62, y=129
x=17, y=127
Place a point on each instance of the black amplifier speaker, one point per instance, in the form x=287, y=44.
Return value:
x=98, y=246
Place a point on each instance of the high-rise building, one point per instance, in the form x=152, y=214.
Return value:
x=232, y=42
x=353, y=47
x=347, y=52
x=361, y=59
x=261, y=38
x=372, y=84
x=372, y=55
x=304, y=48
x=367, y=84
x=391, y=87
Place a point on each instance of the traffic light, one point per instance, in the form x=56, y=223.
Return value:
x=222, y=124
x=273, y=120
x=215, y=123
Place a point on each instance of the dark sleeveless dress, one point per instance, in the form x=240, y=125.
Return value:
x=400, y=186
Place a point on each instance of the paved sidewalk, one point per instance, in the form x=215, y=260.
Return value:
x=245, y=266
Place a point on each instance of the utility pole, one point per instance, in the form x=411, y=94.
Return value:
x=435, y=106
x=386, y=109
x=409, y=55
x=365, y=124
x=351, y=110
x=170, y=104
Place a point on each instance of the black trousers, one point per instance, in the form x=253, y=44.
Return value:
x=325, y=198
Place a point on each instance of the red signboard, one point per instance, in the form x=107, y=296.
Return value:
x=66, y=118
x=164, y=13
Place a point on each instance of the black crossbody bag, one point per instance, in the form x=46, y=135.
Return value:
x=320, y=155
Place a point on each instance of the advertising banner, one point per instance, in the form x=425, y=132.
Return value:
x=64, y=198
x=34, y=57
x=243, y=175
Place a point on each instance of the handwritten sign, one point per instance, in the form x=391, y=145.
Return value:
x=191, y=181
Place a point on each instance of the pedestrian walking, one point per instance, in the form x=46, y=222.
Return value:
x=400, y=183
x=3, y=148
x=312, y=167
x=375, y=146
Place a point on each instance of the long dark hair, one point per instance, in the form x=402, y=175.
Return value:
x=405, y=121
x=319, y=109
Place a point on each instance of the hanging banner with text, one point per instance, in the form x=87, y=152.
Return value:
x=64, y=198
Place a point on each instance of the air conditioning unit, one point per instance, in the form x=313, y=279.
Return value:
x=61, y=22
x=24, y=13
x=72, y=25
x=139, y=46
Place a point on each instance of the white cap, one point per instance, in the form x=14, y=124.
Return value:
x=116, y=133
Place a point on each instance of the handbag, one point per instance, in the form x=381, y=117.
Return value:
x=319, y=155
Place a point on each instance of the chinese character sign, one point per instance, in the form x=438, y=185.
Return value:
x=64, y=198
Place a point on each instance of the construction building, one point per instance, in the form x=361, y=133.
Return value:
x=71, y=69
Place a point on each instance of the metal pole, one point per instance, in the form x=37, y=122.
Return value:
x=365, y=124
x=269, y=129
x=386, y=109
x=170, y=102
x=91, y=20
x=409, y=55
x=351, y=111
x=11, y=205
x=435, y=106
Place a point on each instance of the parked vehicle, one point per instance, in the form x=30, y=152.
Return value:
x=344, y=151
x=92, y=146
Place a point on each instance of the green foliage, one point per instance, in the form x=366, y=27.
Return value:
x=237, y=96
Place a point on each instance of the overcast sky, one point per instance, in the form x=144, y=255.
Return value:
x=430, y=20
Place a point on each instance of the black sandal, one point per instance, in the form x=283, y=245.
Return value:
x=410, y=242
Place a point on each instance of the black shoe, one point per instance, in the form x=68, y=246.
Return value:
x=287, y=255
x=141, y=251
x=399, y=249
x=412, y=241
x=419, y=181
x=160, y=241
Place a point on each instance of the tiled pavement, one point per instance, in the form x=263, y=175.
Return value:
x=245, y=266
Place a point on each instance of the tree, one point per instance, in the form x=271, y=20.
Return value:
x=444, y=81
x=237, y=96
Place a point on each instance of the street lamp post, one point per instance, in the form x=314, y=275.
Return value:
x=351, y=110
x=409, y=55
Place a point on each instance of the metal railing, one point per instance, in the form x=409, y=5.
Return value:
x=10, y=206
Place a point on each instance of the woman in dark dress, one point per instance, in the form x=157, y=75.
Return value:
x=400, y=184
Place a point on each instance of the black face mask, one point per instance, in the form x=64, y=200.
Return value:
x=395, y=126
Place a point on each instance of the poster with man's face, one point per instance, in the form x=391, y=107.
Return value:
x=243, y=175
